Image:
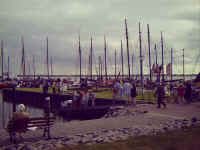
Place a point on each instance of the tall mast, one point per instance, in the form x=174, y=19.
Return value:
x=162, y=57
x=101, y=70
x=149, y=47
x=183, y=67
x=171, y=63
x=8, y=67
x=47, y=59
x=132, y=64
x=126, y=28
x=105, y=51
x=115, y=64
x=79, y=49
x=141, y=62
x=51, y=65
x=91, y=59
x=122, y=59
x=33, y=67
x=99, y=67
x=156, y=53
x=23, y=66
x=2, y=58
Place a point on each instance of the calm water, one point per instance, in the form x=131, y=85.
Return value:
x=6, y=111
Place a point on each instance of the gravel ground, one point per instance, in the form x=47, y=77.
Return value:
x=120, y=123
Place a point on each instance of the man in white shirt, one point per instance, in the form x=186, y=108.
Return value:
x=127, y=90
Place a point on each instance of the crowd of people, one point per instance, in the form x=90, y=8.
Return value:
x=81, y=99
x=177, y=93
x=125, y=89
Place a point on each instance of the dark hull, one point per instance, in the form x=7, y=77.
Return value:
x=83, y=113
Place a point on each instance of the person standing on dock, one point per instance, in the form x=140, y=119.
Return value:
x=127, y=90
x=91, y=100
x=115, y=89
x=54, y=87
x=181, y=91
x=75, y=99
x=79, y=98
x=120, y=88
x=133, y=94
x=45, y=86
x=58, y=84
x=160, y=93
x=85, y=98
x=188, y=92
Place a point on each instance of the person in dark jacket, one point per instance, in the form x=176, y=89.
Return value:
x=160, y=93
x=188, y=92
x=133, y=94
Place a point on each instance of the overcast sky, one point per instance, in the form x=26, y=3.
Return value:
x=62, y=21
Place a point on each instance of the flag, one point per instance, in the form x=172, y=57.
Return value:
x=168, y=69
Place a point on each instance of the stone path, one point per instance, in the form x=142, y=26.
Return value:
x=120, y=123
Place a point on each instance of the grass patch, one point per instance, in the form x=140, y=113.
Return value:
x=106, y=93
x=173, y=140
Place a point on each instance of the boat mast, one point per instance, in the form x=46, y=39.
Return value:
x=33, y=67
x=51, y=66
x=115, y=64
x=8, y=67
x=183, y=67
x=156, y=54
x=171, y=63
x=23, y=66
x=149, y=47
x=47, y=59
x=105, y=51
x=127, y=46
x=99, y=67
x=122, y=61
x=79, y=49
x=101, y=64
x=91, y=59
x=2, y=58
x=132, y=64
x=162, y=58
x=141, y=62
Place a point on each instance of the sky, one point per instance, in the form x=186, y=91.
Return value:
x=63, y=20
